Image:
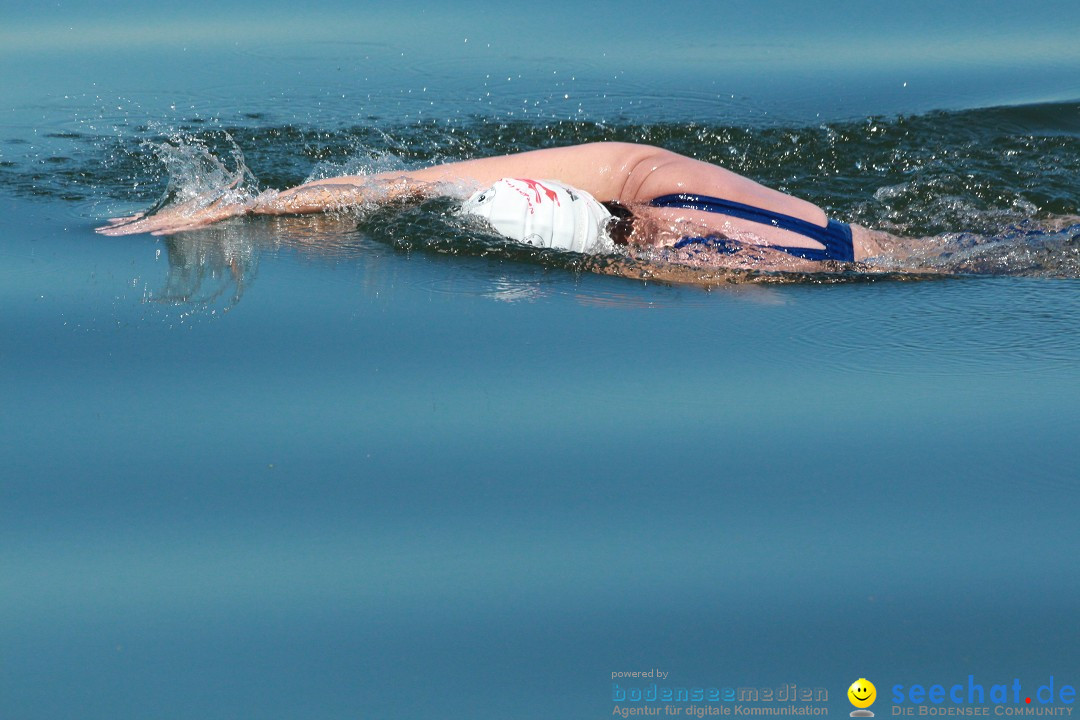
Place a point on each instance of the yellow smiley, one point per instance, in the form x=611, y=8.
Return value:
x=862, y=693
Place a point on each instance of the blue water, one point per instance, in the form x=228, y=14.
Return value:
x=295, y=469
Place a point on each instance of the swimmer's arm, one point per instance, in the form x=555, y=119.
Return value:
x=322, y=196
x=625, y=172
x=601, y=169
x=598, y=168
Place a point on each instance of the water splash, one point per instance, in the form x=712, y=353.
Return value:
x=200, y=173
x=1026, y=251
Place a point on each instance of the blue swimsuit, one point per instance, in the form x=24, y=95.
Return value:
x=836, y=236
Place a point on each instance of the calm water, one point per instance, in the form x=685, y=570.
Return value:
x=376, y=467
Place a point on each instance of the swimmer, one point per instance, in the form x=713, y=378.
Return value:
x=588, y=198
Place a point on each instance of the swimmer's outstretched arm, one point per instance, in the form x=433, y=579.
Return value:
x=599, y=168
x=624, y=172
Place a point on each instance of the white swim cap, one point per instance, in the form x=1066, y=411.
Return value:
x=544, y=213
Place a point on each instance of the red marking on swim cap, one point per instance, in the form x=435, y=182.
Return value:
x=537, y=187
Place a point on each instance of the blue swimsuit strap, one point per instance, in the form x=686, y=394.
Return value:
x=836, y=236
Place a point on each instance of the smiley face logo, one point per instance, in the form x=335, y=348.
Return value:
x=862, y=693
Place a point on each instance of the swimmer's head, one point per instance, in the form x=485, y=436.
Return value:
x=544, y=213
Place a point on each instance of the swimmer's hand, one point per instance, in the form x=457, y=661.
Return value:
x=171, y=219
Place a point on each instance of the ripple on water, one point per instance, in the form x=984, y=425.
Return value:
x=952, y=327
